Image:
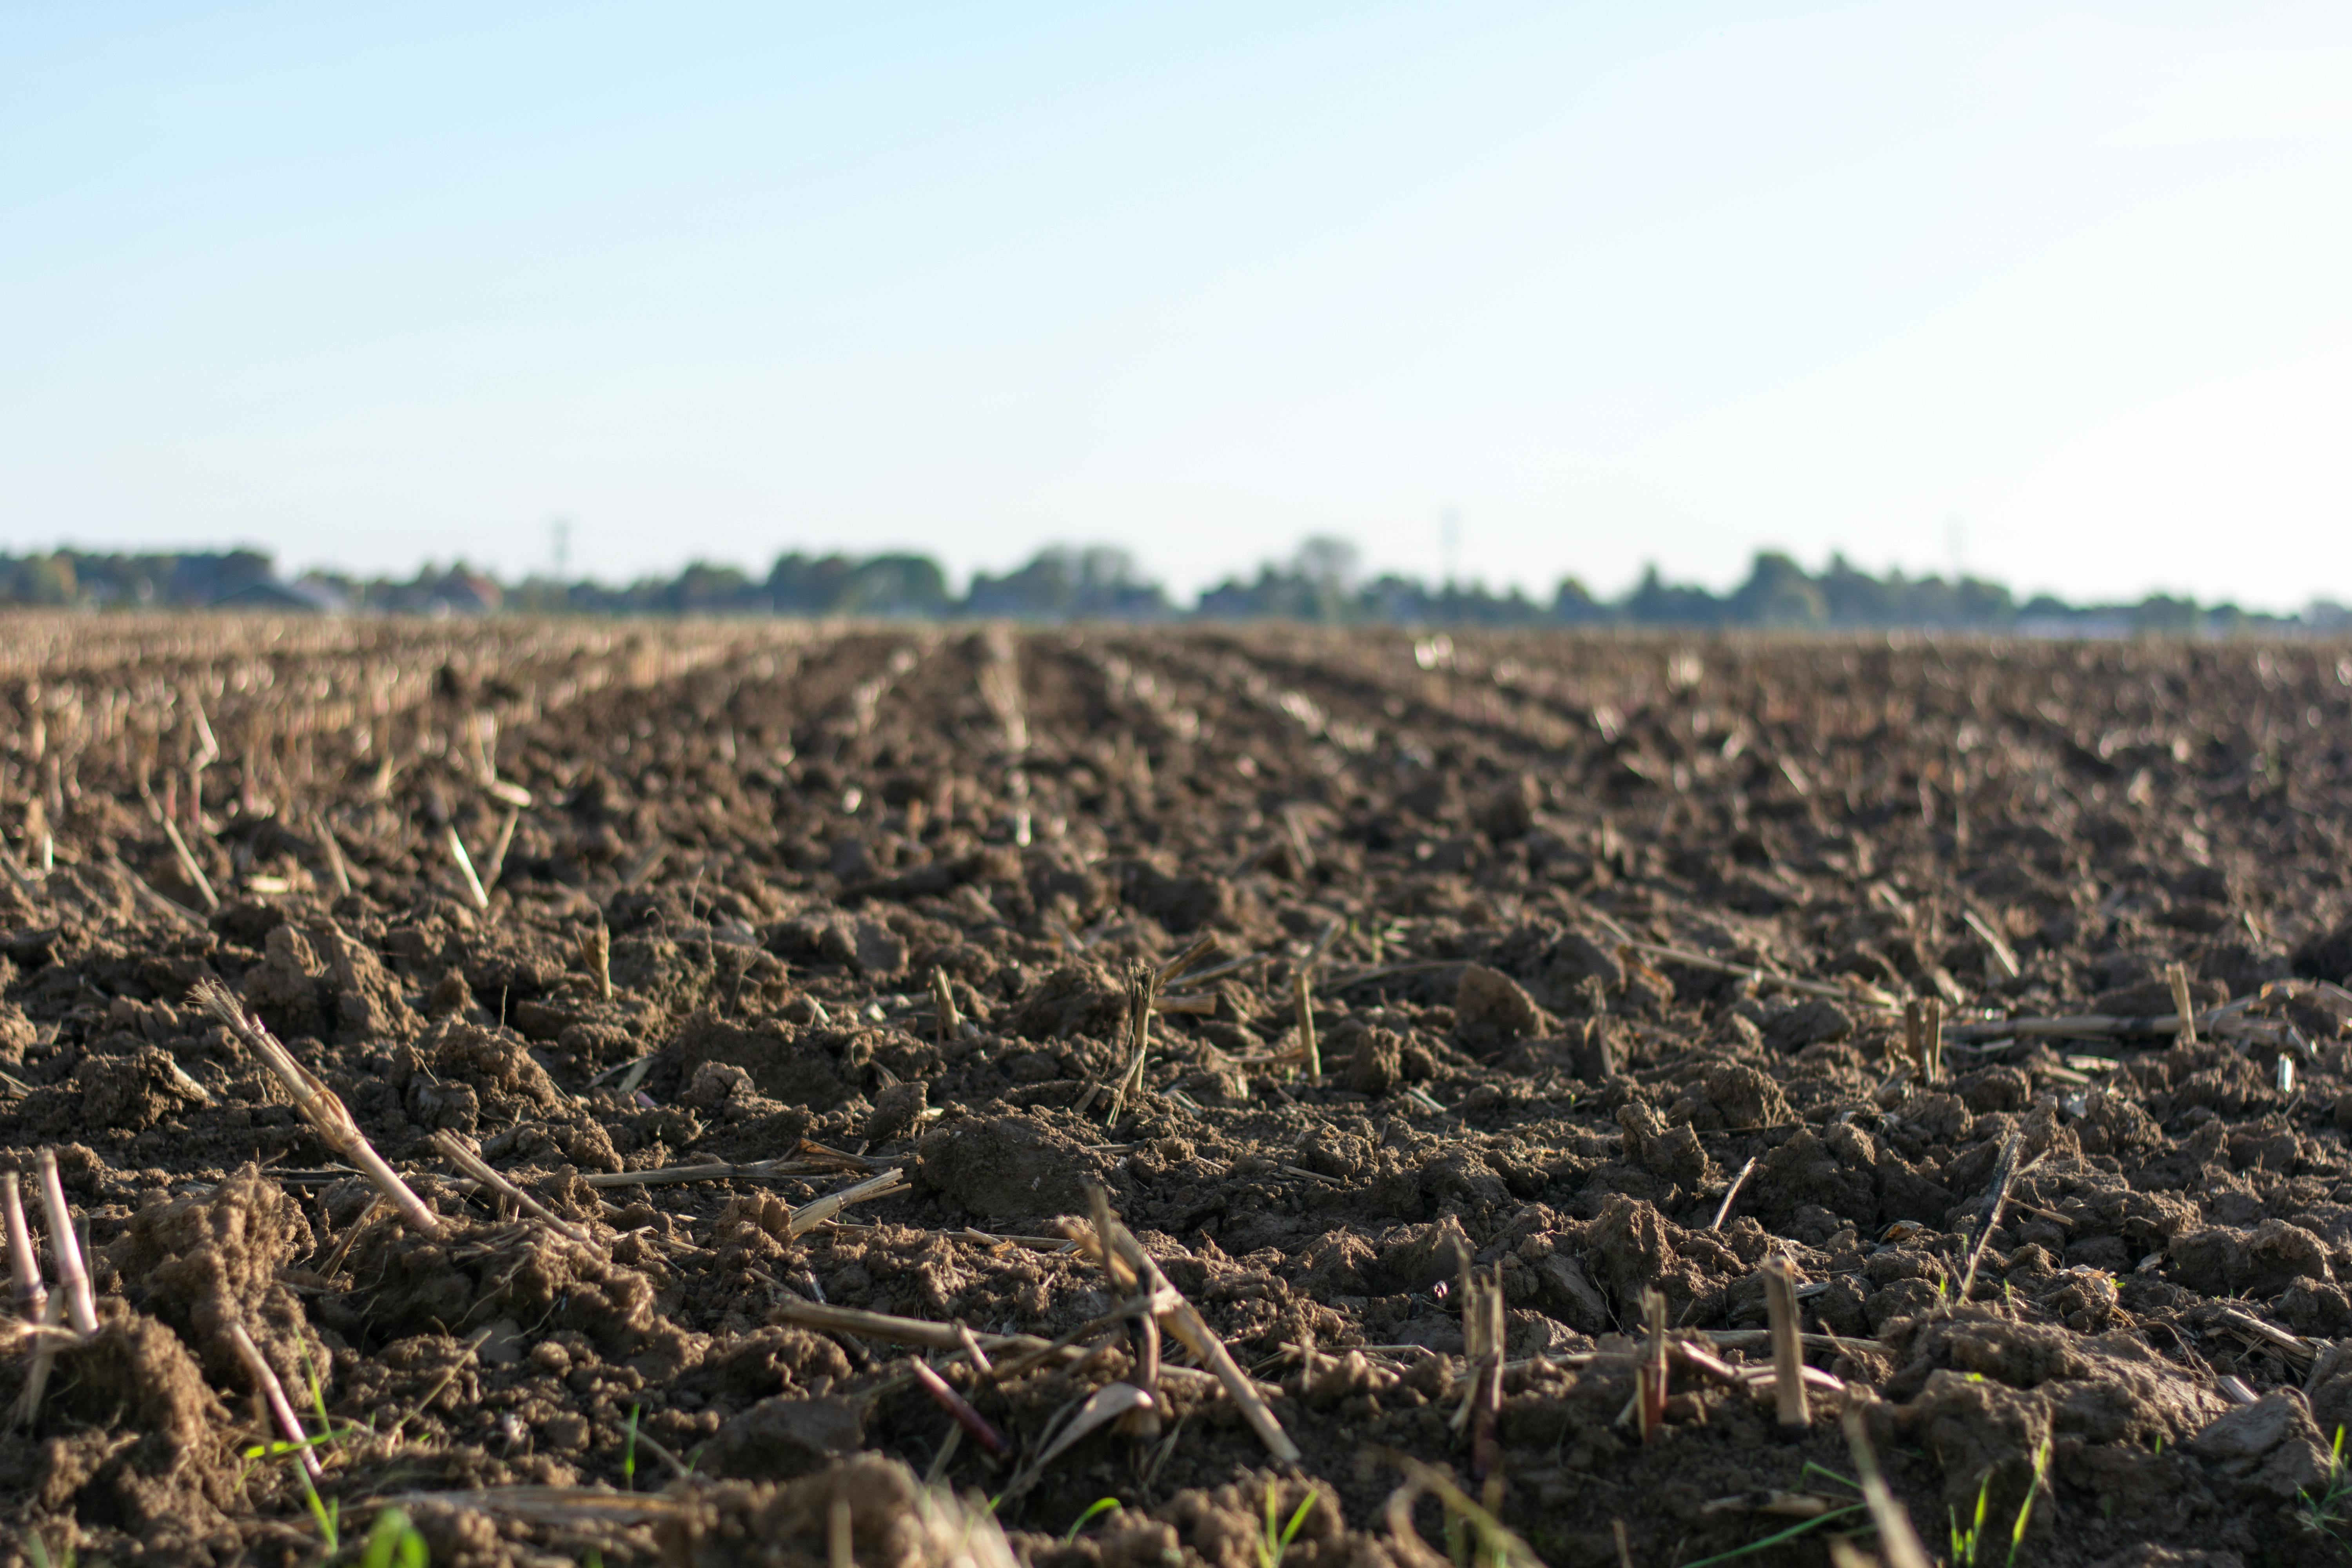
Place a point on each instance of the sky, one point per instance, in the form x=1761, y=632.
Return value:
x=2053, y=292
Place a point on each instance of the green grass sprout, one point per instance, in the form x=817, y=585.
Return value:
x=1275, y=1540
x=394, y=1542
x=1100, y=1506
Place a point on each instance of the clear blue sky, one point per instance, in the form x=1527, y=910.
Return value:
x=2063, y=286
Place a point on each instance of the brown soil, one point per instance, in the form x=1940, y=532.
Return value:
x=786, y=833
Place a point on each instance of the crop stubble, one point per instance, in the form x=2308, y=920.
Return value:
x=830, y=993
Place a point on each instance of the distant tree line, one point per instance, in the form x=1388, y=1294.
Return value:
x=1320, y=582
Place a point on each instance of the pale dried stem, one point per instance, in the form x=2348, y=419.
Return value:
x=1787, y=1354
x=319, y=1106
x=1180, y=1317
x=1731, y=1194
x=162, y=905
x=2182, y=1007
x=73, y=1278
x=2008, y=1174
x=1652, y=1370
x=896, y=1330
x=337, y=867
x=809, y=1216
x=1144, y=1421
x=24, y=1266
x=716, y=1171
x=497, y=863
x=188, y=867
x=1896, y=1539
x=597, y=953
x=1763, y=977
x=1143, y=995
x=473, y=1164
x=943, y=1007
x=45, y=1351
x=1302, y=998
x=956, y=1405
x=465, y=864
x=273, y=1396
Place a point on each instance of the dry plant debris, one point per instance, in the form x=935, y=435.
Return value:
x=687, y=1092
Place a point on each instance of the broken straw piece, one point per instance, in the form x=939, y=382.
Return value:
x=319, y=1105
x=73, y=1279
x=273, y=1396
x=23, y=1269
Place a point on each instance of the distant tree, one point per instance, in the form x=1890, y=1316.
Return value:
x=1065, y=582
x=1778, y=593
x=1572, y=604
x=1657, y=603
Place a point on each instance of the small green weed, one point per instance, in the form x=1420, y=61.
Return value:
x=2327, y=1513
x=2025, y=1509
x=1100, y=1506
x=38, y=1551
x=1964, y=1541
x=1791, y=1534
x=629, y=1454
x=328, y=1513
x=394, y=1542
x=318, y=1392
x=1276, y=1538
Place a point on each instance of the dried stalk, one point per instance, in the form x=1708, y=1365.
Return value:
x=1896, y=1539
x=2182, y=1007
x=1498, y=1546
x=1302, y=997
x=188, y=867
x=2004, y=957
x=336, y=866
x=1788, y=1355
x=597, y=953
x=1142, y=993
x=45, y=1351
x=809, y=1216
x=1482, y=1323
x=1187, y=1324
x=465, y=864
x=1761, y=1339
x=1195, y=978
x=273, y=1396
x=1652, y=1371
x=162, y=905
x=24, y=1267
x=1731, y=1194
x=896, y=1330
x=497, y=863
x=2112, y=1025
x=1144, y=1420
x=957, y=1405
x=2008, y=1173
x=1763, y=977
x=73, y=1278
x=317, y=1105
x=716, y=1171
x=465, y=1160
x=943, y=1007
